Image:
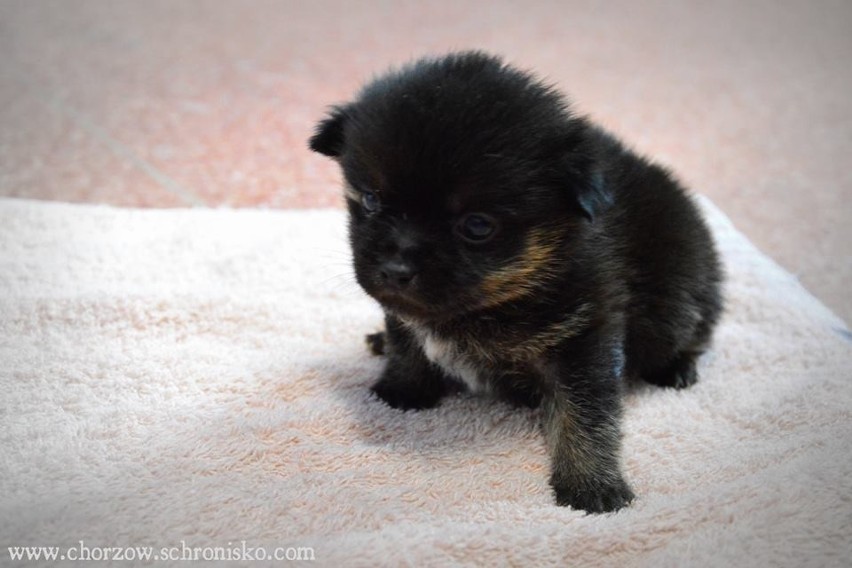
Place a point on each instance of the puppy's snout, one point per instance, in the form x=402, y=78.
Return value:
x=397, y=274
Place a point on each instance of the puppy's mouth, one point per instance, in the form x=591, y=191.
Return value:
x=404, y=303
x=411, y=298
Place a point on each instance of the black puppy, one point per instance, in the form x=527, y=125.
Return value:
x=523, y=252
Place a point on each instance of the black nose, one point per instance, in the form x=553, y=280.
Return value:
x=397, y=274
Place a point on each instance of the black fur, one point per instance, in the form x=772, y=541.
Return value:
x=595, y=266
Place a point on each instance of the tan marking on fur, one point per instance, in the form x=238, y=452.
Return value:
x=525, y=349
x=489, y=346
x=552, y=335
x=522, y=276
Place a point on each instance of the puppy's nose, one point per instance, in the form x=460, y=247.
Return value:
x=397, y=274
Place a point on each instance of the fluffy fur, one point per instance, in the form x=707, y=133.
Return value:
x=519, y=250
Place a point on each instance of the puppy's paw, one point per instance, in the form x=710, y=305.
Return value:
x=679, y=375
x=376, y=342
x=604, y=498
x=405, y=396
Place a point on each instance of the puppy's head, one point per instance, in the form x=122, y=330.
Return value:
x=466, y=182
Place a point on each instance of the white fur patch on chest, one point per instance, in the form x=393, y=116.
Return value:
x=446, y=355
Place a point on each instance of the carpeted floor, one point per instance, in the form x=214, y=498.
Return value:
x=198, y=378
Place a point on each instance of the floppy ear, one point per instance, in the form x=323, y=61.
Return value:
x=328, y=136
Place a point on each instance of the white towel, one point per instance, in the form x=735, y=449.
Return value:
x=182, y=379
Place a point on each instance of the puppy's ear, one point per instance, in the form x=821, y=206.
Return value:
x=328, y=138
x=591, y=193
x=583, y=171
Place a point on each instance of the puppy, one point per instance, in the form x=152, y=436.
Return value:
x=520, y=251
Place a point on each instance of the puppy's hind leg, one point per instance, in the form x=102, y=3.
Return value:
x=680, y=373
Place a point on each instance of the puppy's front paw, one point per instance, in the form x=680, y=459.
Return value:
x=605, y=498
x=405, y=395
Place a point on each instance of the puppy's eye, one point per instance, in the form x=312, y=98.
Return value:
x=370, y=201
x=476, y=227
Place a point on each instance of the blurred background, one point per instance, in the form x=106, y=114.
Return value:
x=210, y=103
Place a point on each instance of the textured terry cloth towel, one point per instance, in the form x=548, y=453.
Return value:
x=199, y=378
